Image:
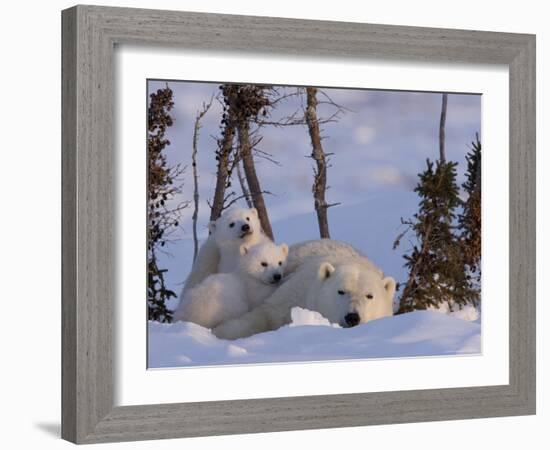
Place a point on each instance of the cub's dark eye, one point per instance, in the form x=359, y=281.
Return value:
x=341, y=292
x=232, y=224
x=369, y=296
x=264, y=264
x=248, y=219
x=280, y=263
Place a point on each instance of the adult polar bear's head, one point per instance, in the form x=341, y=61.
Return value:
x=236, y=226
x=350, y=294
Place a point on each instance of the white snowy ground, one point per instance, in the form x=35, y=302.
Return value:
x=310, y=337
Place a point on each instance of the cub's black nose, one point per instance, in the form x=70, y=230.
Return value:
x=245, y=227
x=352, y=319
x=277, y=277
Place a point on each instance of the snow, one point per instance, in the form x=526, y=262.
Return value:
x=301, y=316
x=310, y=337
x=467, y=312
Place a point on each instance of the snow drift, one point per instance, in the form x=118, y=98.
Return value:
x=310, y=337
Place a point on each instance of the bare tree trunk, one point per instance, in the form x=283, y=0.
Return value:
x=195, y=189
x=200, y=115
x=223, y=153
x=251, y=176
x=320, y=173
x=442, y=121
x=244, y=187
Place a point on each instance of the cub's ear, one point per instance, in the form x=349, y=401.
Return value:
x=243, y=250
x=254, y=211
x=325, y=271
x=211, y=226
x=389, y=286
x=284, y=249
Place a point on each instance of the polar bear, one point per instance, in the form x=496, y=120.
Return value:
x=329, y=277
x=223, y=296
x=220, y=252
x=324, y=248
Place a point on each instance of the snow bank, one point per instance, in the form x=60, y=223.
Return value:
x=470, y=313
x=301, y=316
x=311, y=338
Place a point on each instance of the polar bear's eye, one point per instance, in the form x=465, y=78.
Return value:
x=280, y=263
x=264, y=264
x=369, y=296
x=232, y=224
x=248, y=219
x=341, y=292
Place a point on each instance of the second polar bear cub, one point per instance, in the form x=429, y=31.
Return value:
x=224, y=296
x=220, y=252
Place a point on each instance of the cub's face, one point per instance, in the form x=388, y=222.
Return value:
x=266, y=262
x=351, y=294
x=236, y=225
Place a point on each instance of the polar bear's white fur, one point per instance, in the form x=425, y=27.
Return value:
x=329, y=277
x=350, y=293
x=220, y=252
x=225, y=296
x=324, y=248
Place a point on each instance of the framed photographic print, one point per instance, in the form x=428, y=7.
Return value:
x=255, y=209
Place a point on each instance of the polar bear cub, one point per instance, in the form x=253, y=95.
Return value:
x=235, y=228
x=225, y=296
x=221, y=251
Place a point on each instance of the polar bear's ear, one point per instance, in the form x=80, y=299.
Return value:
x=325, y=271
x=389, y=286
x=211, y=226
x=284, y=249
x=243, y=250
x=254, y=211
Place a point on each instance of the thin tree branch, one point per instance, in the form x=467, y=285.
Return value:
x=200, y=115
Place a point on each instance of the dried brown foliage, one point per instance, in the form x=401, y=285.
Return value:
x=163, y=183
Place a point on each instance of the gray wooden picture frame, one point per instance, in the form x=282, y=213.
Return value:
x=89, y=36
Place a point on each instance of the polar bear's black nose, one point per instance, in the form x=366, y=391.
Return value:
x=277, y=277
x=352, y=319
x=245, y=227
